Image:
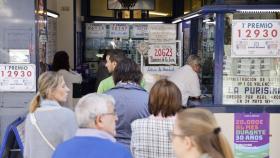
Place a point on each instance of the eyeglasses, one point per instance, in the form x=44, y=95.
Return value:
x=172, y=135
x=110, y=113
x=93, y=116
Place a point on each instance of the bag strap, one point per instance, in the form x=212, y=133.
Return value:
x=34, y=122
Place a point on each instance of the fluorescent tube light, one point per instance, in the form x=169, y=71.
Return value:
x=128, y=22
x=157, y=13
x=211, y=23
x=53, y=15
x=192, y=16
x=258, y=10
x=206, y=20
x=176, y=21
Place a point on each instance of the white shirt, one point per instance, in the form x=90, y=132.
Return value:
x=186, y=79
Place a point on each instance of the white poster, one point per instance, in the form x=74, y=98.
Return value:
x=119, y=31
x=18, y=77
x=95, y=30
x=19, y=56
x=140, y=31
x=255, y=38
x=162, y=32
x=164, y=53
x=251, y=90
x=160, y=70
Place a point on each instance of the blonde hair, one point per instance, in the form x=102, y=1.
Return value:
x=47, y=81
x=201, y=126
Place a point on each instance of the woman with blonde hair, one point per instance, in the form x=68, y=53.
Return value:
x=197, y=135
x=48, y=124
x=62, y=66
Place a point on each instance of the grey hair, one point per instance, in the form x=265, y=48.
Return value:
x=193, y=60
x=90, y=106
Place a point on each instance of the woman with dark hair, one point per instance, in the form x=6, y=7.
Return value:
x=61, y=65
x=197, y=135
x=131, y=98
x=150, y=135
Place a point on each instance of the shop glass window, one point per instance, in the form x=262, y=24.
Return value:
x=251, y=68
x=206, y=50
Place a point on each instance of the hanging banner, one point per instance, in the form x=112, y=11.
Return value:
x=251, y=90
x=162, y=32
x=251, y=135
x=119, y=31
x=95, y=30
x=162, y=54
x=17, y=77
x=140, y=31
x=255, y=38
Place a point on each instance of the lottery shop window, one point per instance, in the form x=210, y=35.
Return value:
x=251, y=67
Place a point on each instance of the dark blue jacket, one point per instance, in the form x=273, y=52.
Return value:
x=131, y=104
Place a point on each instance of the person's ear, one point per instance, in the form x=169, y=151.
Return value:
x=114, y=63
x=188, y=142
x=98, y=121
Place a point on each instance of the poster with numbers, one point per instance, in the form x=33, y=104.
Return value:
x=95, y=30
x=251, y=135
x=119, y=31
x=255, y=38
x=162, y=53
x=17, y=77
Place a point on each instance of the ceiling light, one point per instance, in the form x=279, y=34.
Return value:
x=176, y=21
x=52, y=14
x=206, y=20
x=211, y=23
x=157, y=13
x=258, y=10
x=192, y=16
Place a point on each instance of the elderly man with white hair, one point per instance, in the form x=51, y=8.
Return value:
x=186, y=79
x=95, y=137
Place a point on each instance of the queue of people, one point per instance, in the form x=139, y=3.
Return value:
x=122, y=120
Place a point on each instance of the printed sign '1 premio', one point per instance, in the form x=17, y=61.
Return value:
x=17, y=77
x=255, y=38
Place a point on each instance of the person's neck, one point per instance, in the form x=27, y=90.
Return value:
x=193, y=153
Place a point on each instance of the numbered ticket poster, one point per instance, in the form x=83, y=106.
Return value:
x=251, y=135
x=255, y=38
x=162, y=32
x=119, y=31
x=251, y=90
x=95, y=30
x=139, y=31
x=162, y=54
x=18, y=77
